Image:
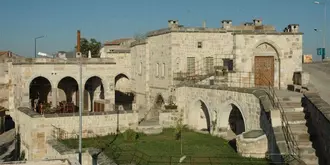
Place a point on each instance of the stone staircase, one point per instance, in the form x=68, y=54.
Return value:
x=291, y=104
x=150, y=126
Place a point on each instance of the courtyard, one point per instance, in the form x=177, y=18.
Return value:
x=166, y=148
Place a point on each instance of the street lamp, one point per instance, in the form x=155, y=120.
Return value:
x=317, y=40
x=35, y=45
x=325, y=23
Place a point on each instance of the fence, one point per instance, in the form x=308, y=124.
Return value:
x=128, y=155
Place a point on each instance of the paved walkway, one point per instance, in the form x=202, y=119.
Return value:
x=320, y=78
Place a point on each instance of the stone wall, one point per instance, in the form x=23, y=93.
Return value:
x=318, y=122
x=46, y=162
x=36, y=129
x=23, y=72
x=288, y=54
x=255, y=146
x=218, y=101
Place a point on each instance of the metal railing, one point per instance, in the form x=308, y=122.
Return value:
x=61, y=134
x=288, y=134
x=127, y=155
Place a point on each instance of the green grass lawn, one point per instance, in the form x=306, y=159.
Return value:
x=198, y=148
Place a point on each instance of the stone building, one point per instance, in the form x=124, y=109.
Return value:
x=251, y=54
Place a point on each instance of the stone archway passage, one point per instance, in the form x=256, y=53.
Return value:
x=123, y=94
x=68, y=96
x=236, y=121
x=199, y=117
x=94, y=91
x=40, y=89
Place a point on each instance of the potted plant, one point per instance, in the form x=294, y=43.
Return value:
x=171, y=104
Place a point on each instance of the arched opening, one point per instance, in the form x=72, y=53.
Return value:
x=236, y=125
x=94, y=92
x=199, y=117
x=159, y=102
x=266, y=65
x=123, y=94
x=68, y=97
x=236, y=121
x=39, y=93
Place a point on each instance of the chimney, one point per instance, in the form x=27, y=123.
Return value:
x=78, y=41
x=257, y=22
x=204, y=24
x=173, y=23
x=294, y=28
x=226, y=24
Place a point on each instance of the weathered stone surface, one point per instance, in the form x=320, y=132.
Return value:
x=319, y=122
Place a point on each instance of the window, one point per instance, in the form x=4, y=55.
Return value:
x=229, y=63
x=157, y=69
x=163, y=70
x=140, y=68
x=199, y=44
x=191, y=65
x=209, y=63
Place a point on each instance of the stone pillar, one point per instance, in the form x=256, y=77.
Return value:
x=26, y=101
x=109, y=96
x=2, y=123
x=54, y=97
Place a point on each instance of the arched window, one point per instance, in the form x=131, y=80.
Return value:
x=163, y=70
x=140, y=68
x=157, y=69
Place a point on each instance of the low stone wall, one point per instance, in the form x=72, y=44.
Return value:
x=252, y=144
x=168, y=119
x=36, y=130
x=46, y=162
x=318, y=121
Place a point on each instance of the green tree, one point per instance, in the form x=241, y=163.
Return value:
x=90, y=45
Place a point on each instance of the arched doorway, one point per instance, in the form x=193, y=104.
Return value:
x=94, y=91
x=199, y=117
x=68, y=94
x=123, y=94
x=266, y=65
x=40, y=90
x=236, y=120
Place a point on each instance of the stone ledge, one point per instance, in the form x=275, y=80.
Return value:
x=217, y=30
x=319, y=104
x=43, y=61
x=34, y=114
x=260, y=93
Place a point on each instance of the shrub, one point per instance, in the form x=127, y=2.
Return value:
x=130, y=135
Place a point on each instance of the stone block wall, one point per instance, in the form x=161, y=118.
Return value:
x=36, y=130
x=318, y=121
x=255, y=147
x=23, y=72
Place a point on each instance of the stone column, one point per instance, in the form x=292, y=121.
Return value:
x=26, y=101
x=54, y=97
x=109, y=96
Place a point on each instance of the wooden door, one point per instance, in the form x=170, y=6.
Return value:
x=264, y=70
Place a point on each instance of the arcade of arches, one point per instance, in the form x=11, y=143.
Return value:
x=65, y=98
x=200, y=119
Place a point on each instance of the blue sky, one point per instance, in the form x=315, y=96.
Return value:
x=58, y=20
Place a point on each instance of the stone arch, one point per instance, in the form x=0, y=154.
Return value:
x=94, y=91
x=159, y=101
x=236, y=120
x=224, y=114
x=123, y=95
x=39, y=91
x=68, y=90
x=277, y=54
x=199, y=116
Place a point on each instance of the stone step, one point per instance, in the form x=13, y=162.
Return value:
x=152, y=129
x=295, y=106
x=310, y=159
x=295, y=117
x=306, y=150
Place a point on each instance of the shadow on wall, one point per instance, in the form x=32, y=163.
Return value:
x=266, y=126
x=313, y=131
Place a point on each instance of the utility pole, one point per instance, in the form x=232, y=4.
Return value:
x=324, y=26
x=78, y=54
x=35, y=45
